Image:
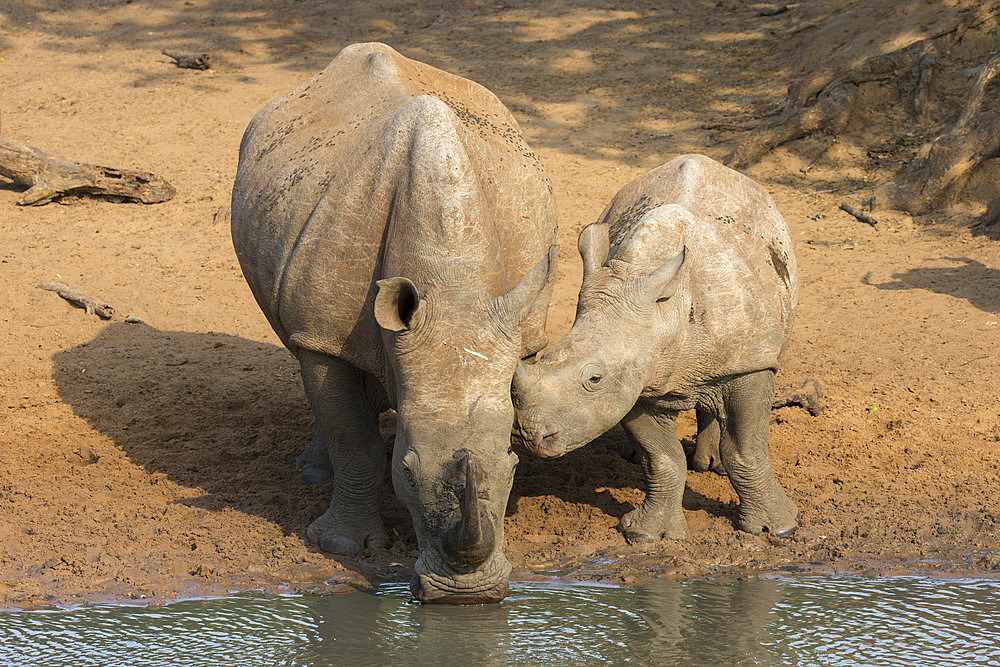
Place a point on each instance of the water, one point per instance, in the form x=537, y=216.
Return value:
x=801, y=621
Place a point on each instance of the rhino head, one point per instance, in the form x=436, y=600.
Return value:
x=588, y=381
x=453, y=352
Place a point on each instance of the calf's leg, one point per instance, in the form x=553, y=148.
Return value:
x=654, y=438
x=743, y=446
x=706, y=449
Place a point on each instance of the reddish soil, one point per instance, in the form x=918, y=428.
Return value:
x=155, y=460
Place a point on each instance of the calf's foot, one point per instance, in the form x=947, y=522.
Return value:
x=648, y=524
x=772, y=512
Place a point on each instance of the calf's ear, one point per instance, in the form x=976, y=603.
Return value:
x=593, y=246
x=396, y=304
x=662, y=283
x=531, y=293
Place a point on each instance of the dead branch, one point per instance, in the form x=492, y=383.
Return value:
x=923, y=84
x=80, y=299
x=974, y=103
x=48, y=178
x=828, y=114
x=822, y=101
x=807, y=396
x=863, y=217
x=190, y=60
x=774, y=11
x=926, y=182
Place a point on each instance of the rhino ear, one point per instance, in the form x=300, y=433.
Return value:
x=593, y=246
x=662, y=283
x=531, y=292
x=396, y=304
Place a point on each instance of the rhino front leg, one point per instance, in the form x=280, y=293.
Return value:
x=654, y=438
x=314, y=462
x=706, y=449
x=743, y=446
x=349, y=425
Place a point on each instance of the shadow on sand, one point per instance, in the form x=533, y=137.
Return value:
x=228, y=416
x=970, y=280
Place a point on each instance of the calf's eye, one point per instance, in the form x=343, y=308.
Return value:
x=592, y=376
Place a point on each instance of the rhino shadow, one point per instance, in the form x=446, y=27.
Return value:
x=211, y=411
x=584, y=475
x=970, y=280
x=228, y=416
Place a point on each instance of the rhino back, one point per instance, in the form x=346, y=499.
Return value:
x=380, y=166
x=739, y=289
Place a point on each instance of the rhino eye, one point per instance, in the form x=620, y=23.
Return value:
x=592, y=376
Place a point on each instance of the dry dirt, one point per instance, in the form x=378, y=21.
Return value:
x=155, y=460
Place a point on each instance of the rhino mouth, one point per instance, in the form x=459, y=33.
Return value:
x=543, y=446
x=549, y=447
x=437, y=583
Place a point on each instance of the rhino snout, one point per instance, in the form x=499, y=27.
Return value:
x=436, y=582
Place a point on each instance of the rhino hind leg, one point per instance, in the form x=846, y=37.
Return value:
x=314, y=461
x=764, y=506
x=356, y=451
x=706, y=449
x=706, y=452
x=654, y=440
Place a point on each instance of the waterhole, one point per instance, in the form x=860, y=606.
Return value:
x=802, y=621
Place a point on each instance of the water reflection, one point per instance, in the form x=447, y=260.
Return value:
x=802, y=621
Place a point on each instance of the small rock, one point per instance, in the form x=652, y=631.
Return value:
x=87, y=455
x=133, y=319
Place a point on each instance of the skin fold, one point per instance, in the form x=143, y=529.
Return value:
x=688, y=300
x=396, y=232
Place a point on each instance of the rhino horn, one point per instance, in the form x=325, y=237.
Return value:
x=524, y=376
x=470, y=542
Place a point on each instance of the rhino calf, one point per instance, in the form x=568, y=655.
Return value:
x=688, y=299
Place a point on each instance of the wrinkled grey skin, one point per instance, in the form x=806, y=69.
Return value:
x=396, y=230
x=688, y=299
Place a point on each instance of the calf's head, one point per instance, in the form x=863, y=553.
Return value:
x=453, y=351
x=589, y=380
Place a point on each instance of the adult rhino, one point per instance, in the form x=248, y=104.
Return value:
x=395, y=230
x=688, y=299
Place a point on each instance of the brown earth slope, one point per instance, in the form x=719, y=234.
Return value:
x=155, y=460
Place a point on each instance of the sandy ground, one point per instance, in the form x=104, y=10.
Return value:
x=155, y=460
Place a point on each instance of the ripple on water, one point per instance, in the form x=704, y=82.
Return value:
x=800, y=621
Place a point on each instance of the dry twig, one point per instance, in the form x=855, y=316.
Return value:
x=190, y=60
x=863, y=217
x=80, y=299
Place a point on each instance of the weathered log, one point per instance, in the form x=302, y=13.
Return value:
x=806, y=396
x=80, y=299
x=48, y=178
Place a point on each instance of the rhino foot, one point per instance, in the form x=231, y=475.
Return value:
x=646, y=525
x=776, y=515
x=629, y=453
x=703, y=463
x=336, y=536
x=314, y=461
